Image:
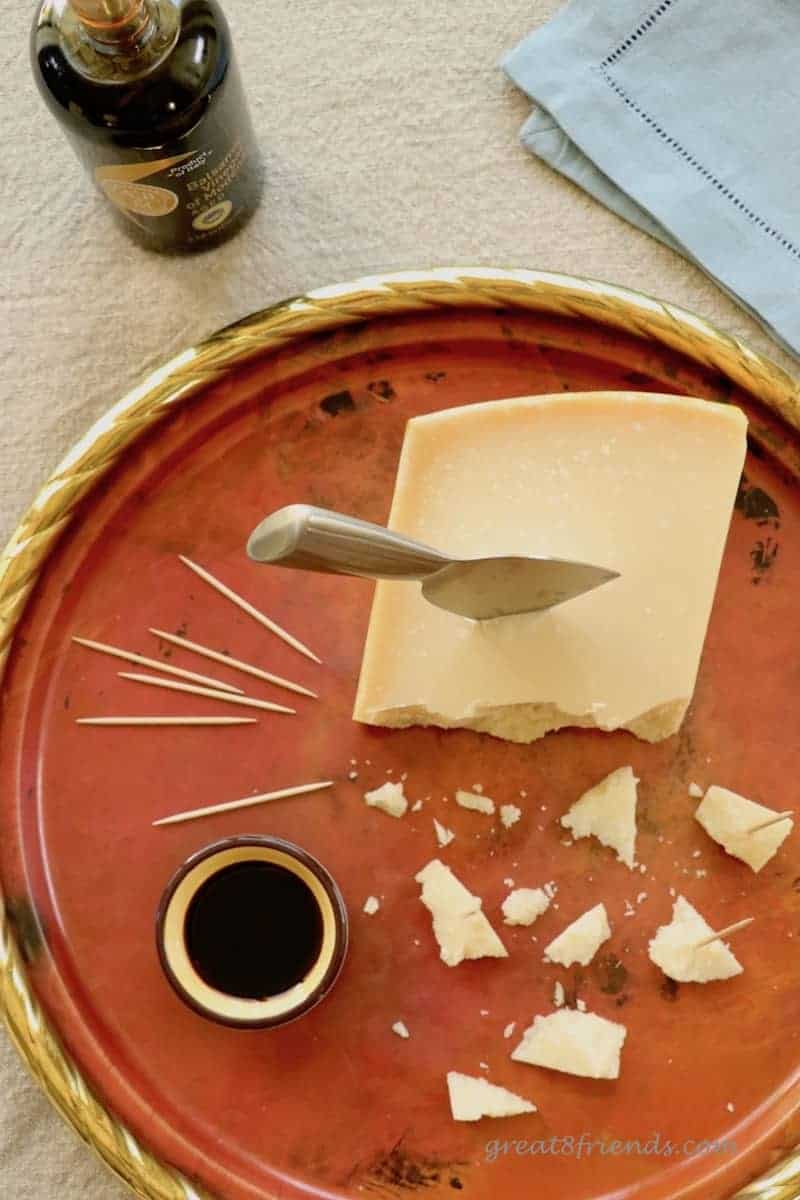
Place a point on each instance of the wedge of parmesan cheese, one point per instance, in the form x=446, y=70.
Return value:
x=674, y=948
x=578, y=1043
x=389, y=798
x=460, y=928
x=524, y=905
x=475, y=801
x=727, y=817
x=608, y=812
x=581, y=940
x=643, y=484
x=472, y=1098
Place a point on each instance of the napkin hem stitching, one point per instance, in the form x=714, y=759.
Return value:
x=638, y=33
x=691, y=161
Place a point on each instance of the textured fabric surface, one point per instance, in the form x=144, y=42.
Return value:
x=391, y=140
x=702, y=95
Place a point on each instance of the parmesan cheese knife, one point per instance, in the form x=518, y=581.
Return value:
x=315, y=539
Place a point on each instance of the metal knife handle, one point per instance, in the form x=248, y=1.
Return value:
x=315, y=539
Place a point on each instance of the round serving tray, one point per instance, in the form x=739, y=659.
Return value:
x=307, y=401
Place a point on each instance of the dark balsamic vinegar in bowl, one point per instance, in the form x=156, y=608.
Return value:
x=253, y=930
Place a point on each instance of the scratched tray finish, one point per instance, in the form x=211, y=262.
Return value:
x=308, y=402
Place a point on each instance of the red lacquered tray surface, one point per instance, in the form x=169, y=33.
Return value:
x=336, y=1104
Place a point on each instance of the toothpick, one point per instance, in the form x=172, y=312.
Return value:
x=247, y=607
x=726, y=932
x=248, y=701
x=784, y=816
x=248, y=801
x=166, y=721
x=157, y=665
x=236, y=663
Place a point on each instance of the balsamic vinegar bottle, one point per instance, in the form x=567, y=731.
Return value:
x=149, y=95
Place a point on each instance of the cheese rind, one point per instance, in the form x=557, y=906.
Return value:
x=472, y=1098
x=608, y=812
x=674, y=948
x=524, y=905
x=460, y=928
x=578, y=1043
x=643, y=484
x=581, y=940
x=726, y=817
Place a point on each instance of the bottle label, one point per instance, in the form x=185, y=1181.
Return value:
x=122, y=187
x=194, y=193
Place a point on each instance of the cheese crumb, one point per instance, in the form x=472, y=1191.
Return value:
x=509, y=1029
x=443, y=836
x=508, y=882
x=695, y=791
x=388, y=798
x=472, y=1098
x=608, y=812
x=352, y=774
x=475, y=801
x=509, y=815
x=578, y=1043
x=371, y=905
x=558, y=994
x=401, y=1029
x=581, y=940
x=416, y=806
x=460, y=928
x=730, y=1107
x=727, y=817
x=581, y=1005
x=523, y=906
x=674, y=948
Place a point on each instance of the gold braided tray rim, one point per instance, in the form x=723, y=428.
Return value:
x=188, y=373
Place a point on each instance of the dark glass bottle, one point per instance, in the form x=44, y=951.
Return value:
x=149, y=95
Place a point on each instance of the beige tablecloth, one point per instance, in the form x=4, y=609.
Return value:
x=390, y=139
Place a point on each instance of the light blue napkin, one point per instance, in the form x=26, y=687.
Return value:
x=684, y=118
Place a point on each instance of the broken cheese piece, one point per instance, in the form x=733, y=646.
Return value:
x=475, y=801
x=608, y=812
x=472, y=1098
x=642, y=484
x=726, y=817
x=578, y=1043
x=581, y=940
x=524, y=905
x=389, y=798
x=460, y=928
x=444, y=836
x=674, y=948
